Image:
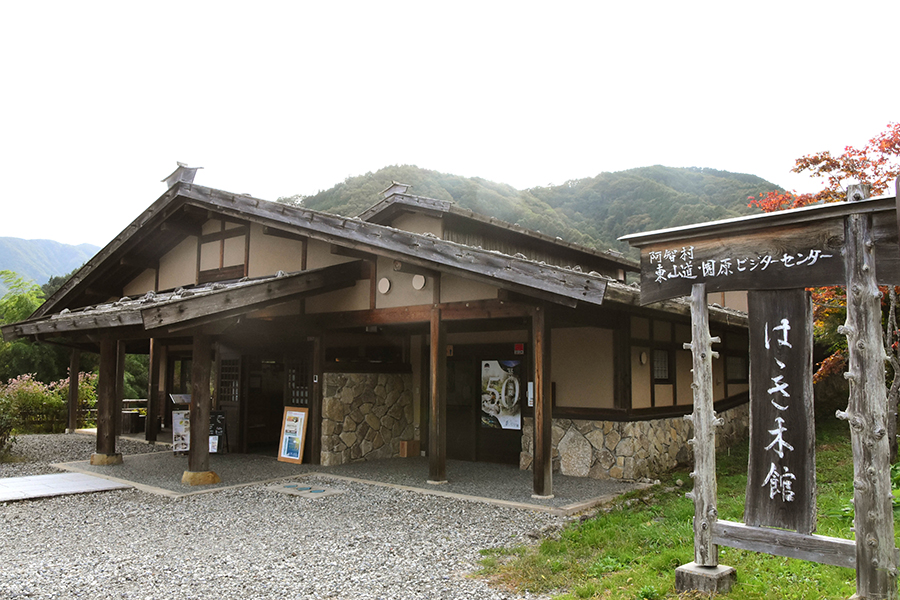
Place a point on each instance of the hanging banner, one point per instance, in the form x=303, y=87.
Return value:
x=781, y=475
x=501, y=394
x=293, y=434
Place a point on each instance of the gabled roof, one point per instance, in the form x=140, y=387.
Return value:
x=182, y=209
x=385, y=211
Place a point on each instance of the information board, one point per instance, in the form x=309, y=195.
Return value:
x=181, y=431
x=293, y=434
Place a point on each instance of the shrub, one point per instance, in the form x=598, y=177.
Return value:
x=7, y=424
x=36, y=407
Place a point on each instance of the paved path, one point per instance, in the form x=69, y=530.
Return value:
x=40, y=486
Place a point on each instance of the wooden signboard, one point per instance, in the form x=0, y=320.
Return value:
x=293, y=434
x=781, y=476
x=776, y=251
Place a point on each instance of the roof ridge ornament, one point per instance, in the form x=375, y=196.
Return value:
x=181, y=174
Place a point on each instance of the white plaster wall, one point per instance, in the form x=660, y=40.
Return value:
x=270, y=254
x=179, y=266
x=457, y=289
x=141, y=284
x=582, y=367
x=402, y=292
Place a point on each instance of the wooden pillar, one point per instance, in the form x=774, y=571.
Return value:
x=704, y=494
x=315, y=401
x=867, y=412
x=543, y=405
x=154, y=398
x=198, y=472
x=437, y=425
x=74, y=358
x=120, y=384
x=107, y=420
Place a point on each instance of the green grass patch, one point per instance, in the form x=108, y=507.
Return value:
x=631, y=552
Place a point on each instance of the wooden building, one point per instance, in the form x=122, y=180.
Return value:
x=415, y=324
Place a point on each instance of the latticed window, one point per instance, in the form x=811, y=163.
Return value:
x=229, y=380
x=660, y=365
x=298, y=383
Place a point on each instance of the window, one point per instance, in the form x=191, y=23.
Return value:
x=660, y=365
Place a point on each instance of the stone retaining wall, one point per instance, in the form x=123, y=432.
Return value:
x=365, y=416
x=627, y=450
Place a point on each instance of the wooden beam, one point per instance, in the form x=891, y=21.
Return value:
x=405, y=267
x=224, y=234
x=437, y=424
x=178, y=227
x=821, y=549
x=217, y=305
x=352, y=252
x=543, y=412
x=73, y=405
x=287, y=235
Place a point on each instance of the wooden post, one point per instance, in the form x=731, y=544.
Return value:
x=704, y=494
x=437, y=434
x=876, y=563
x=543, y=416
x=120, y=384
x=107, y=420
x=154, y=399
x=74, y=358
x=315, y=400
x=198, y=472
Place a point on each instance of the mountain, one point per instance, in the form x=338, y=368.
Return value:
x=593, y=211
x=39, y=260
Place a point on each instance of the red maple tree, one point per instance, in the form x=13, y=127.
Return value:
x=877, y=164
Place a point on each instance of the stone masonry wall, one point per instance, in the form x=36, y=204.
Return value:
x=365, y=415
x=627, y=450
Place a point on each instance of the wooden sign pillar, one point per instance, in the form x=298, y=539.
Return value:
x=706, y=553
x=876, y=562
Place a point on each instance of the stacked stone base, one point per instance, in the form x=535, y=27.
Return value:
x=628, y=449
x=365, y=416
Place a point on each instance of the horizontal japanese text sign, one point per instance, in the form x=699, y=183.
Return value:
x=799, y=255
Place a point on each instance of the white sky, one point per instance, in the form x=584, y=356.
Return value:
x=100, y=99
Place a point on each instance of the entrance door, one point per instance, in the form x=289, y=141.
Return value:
x=265, y=395
x=228, y=396
x=484, y=406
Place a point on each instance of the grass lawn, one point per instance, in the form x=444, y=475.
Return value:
x=631, y=551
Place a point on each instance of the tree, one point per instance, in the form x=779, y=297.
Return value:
x=47, y=363
x=877, y=164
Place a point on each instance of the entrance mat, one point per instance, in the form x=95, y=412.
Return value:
x=304, y=490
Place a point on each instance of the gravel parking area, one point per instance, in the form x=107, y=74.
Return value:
x=249, y=542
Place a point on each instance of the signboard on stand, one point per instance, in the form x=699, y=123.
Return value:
x=181, y=431
x=293, y=434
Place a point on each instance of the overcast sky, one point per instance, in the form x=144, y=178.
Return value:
x=100, y=99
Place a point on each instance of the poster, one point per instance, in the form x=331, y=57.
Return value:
x=501, y=394
x=293, y=435
x=181, y=430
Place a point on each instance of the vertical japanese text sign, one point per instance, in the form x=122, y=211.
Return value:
x=781, y=479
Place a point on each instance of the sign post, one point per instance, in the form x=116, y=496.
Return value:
x=825, y=245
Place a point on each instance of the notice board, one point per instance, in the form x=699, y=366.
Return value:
x=293, y=434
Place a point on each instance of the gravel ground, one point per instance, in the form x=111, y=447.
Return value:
x=249, y=542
